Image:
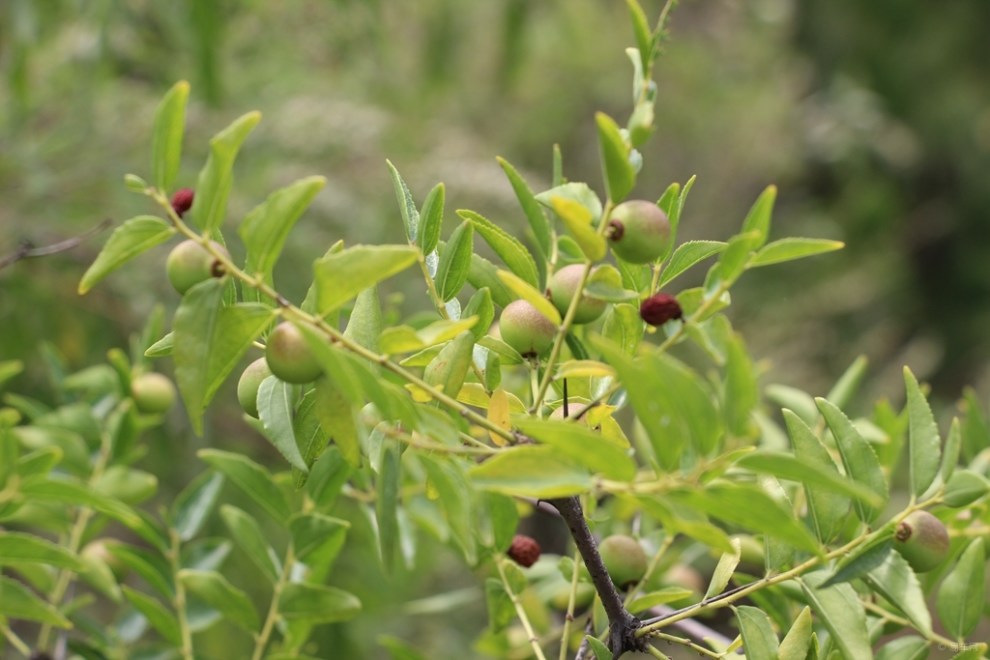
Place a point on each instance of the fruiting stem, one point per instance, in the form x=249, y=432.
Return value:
x=179, y=600
x=622, y=624
x=534, y=641
x=261, y=641
x=15, y=641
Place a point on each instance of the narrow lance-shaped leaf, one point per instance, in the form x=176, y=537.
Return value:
x=216, y=177
x=456, y=499
x=455, y=262
x=256, y=482
x=618, y=171
x=924, y=443
x=858, y=457
x=759, y=639
x=839, y=608
x=895, y=581
x=217, y=592
x=160, y=618
x=166, y=136
x=786, y=466
x=135, y=236
x=687, y=255
x=789, y=249
x=386, y=505
x=532, y=471
x=531, y=207
x=826, y=507
x=577, y=219
x=449, y=368
x=481, y=306
x=336, y=418
x=431, y=219
x=525, y=291
x=265, y=229
x=758, y=218
x=17, y=548
x=797, y=641
x=247, y=533
x=726, y=566
x=580, y=443
x=962, y=595
x=512, y=253
x=195, y=503
x=845, y=388
x=407, y=207
x=341, y=276
x=276, y=407
x=317, y=603
x=642, y=32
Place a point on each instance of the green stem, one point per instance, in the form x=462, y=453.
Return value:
x=683, y=641
x=569, y=617
x=15, y=641
x=933, y=637
x=661, y=551
x=261, y=641
x=534, y=641
x=179, y=600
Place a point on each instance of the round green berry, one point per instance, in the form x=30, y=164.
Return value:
x=289, y=357
x=249, y=383
x=563, y=286
x=152, y=393
x=922, y=540
x=189, y=263
x=525, y=329
x=624, y=558
x=639, y=231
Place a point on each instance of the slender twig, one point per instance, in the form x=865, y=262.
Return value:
x=569, y=615
x=261, y=640
x=179, y=598
x=534, y=641
x=932, y=637
x=26, y=250
x=15, y=641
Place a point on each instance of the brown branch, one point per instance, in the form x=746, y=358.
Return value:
x=27, y=250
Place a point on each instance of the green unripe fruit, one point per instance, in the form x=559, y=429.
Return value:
x=289, y=357
x=563, y=285
x=922, y=540
x=523, y=328
x=561, y=596
x=189, y=263
x=250, y=381
x=639, y=231
x=152, y=393
x=624, y=558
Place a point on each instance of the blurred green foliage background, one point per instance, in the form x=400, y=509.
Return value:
x=873, y=118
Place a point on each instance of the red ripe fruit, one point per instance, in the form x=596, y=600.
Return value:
x=524, y=550
x=660, y=308
x=182, y=200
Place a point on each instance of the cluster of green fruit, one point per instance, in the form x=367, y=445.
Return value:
x=639, y=233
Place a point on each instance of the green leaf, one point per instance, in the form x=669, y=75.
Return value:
x=525, y=291
x=17, y=548
x=431, y=218
x=951, y=451
x=732, y=263
x=210, y=341
x=751, y=508
x=455, y=262
x=740, y=394
x=975, y=430
x=962, y=595
x=578, y=442
x=449, y=368
x=789, y=249
x=265, y=229
x=18, y=602
x=924, y=444
x=532, y=471
x=128, y=485
x=964, y=488
x=387, y=503
x=246, y=531
x=840, y=610
x=407, y=207
x=531, y=207
x=827, y=509
x=150, y=566
x=620, y=177
x=972, y=652
x=687, y=255
x=642, y=32
x=217, y=592
x=860, y=561
x=312, y=531
x=336, y=419
x=577, y=192
x=791, y=467
x=501, y=612
x=157, y=615
x=895, y=581
x=759, y=639
x=66, y=491
x=512, y=253
x=598, y=648
x=276, y=406
x=577, y=218
x=130, y=239
x=341, y=276
x=910, y=647
x=797, y=641
x=456, y=497
x=318, y=604
x=726, y=566
x=845, y=388
x=217, y=176
x=161, y=348
x=858, y=457
x=166, y=136
x=659, y=597
x=480, y=305
x=250, y=477
x=758, y=218
x=623, y=327
x=193, y=505
x=671, y=517
x=483, y=274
